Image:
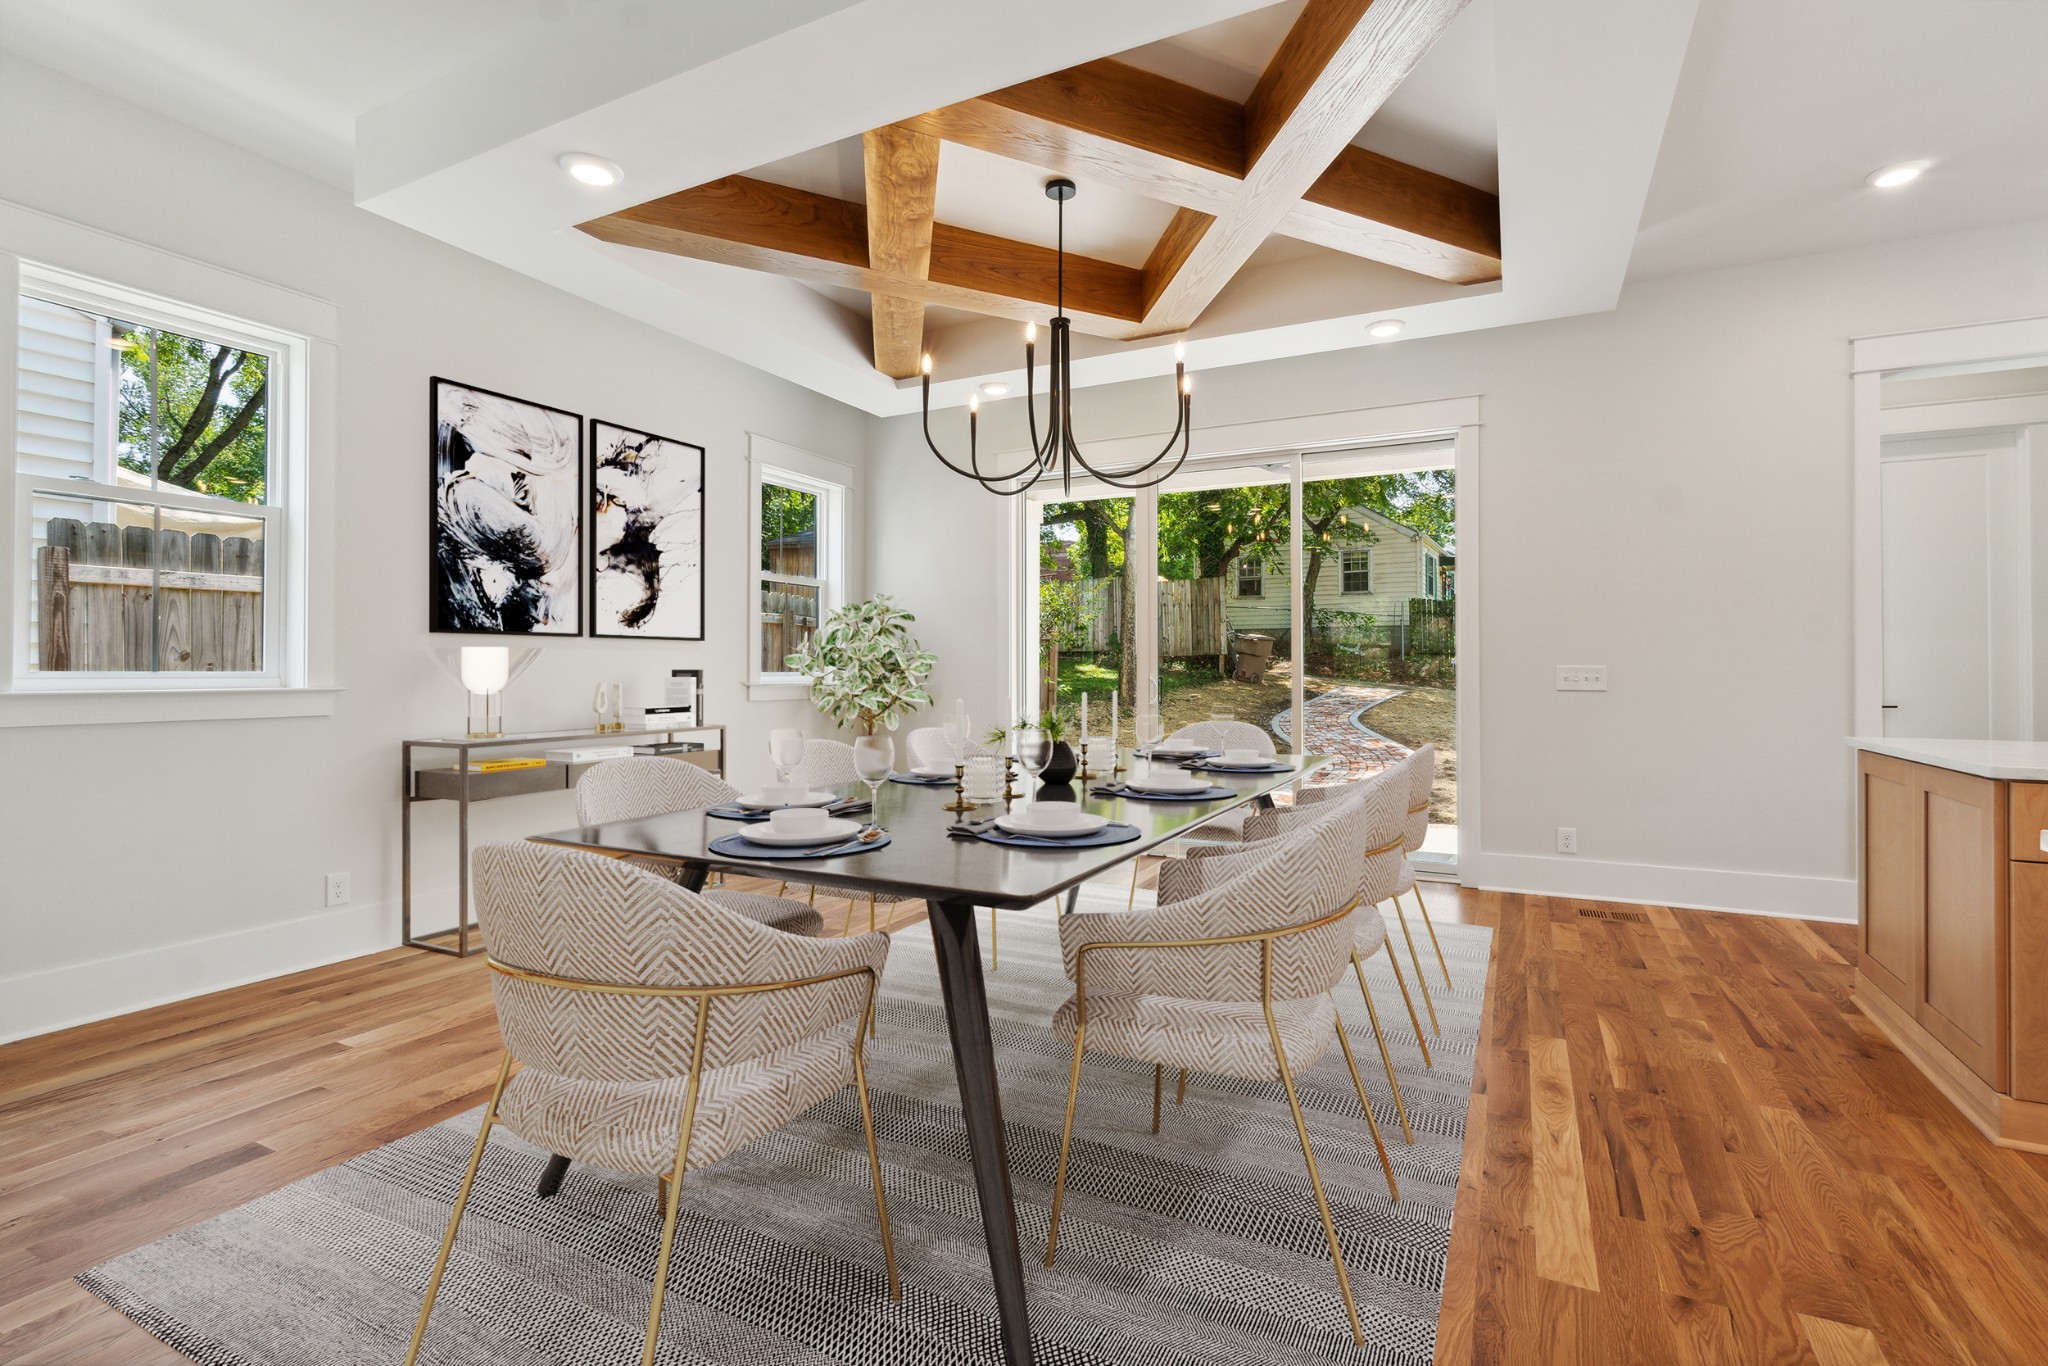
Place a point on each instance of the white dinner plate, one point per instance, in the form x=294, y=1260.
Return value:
x=933, y=771
x=1174, y=752
x=1019, y=823
x=1246, y=768
x=831, y=832
x=757, y=802
x=1171, y=783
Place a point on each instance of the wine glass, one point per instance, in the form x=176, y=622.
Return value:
x=874, y=759
x=959, y=732
x=1034, y=752
x=786, y=749
x=1151, y=730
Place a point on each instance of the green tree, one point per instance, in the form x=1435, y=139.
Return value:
x=1104, y=525
x=195, y=413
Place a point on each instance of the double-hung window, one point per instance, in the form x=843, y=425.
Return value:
x=800, y=549
x=1429, y=575
x=1251, y=581
x=1357, y=571
x=156, y=460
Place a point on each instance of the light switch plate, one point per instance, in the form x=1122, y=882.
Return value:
x=1582, y=678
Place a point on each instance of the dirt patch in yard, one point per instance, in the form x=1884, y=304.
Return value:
x=1425, y=716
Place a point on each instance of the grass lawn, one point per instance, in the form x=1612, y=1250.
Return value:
x=1426, y=716
x=1189, y=693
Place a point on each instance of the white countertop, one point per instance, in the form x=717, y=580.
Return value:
x=2018, y=761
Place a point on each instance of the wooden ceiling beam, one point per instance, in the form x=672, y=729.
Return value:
x=902, y=168
x=822, y=240
x=1114, y=124
x=1337, y=65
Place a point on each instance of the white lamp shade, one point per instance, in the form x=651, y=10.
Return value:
x=486, y=668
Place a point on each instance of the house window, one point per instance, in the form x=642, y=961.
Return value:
x=1429, y=575
x=1251, y=581
x=157, y=461
x=799, y=532
x=1357, y=566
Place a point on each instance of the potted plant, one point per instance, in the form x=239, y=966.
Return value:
x=866, y=669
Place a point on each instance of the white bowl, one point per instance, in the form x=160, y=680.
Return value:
x=797, y=820
x=761, y=802
x=1052, y=820
x=933, y=770
x=832, y=831
x=1241, y=758
x=1168, y=780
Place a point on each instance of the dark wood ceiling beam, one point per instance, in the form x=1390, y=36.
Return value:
x=1113, y=124
x=1337, y=65
x=822, y=240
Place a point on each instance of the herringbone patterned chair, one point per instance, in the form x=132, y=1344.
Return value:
x=928, y=747
x=829, y=764
x=1233, y=981
x=634, y=789
x=1421, y=767
x=1385, y=797
x=656, y=1031
x=1227, y=828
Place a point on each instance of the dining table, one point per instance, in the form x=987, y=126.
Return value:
x=926, y=860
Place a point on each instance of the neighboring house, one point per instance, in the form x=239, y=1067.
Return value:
x=1378, y=579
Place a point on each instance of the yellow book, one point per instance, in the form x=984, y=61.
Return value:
x=505, y=765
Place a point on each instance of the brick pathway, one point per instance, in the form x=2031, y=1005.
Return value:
x=1334, y=728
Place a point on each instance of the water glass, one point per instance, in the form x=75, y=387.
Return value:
x=874, y=759
x=984, y=780
x=1034, y=752
x=786, y=749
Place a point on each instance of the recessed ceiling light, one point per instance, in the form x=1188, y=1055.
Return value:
x=592, y=170
x=1387, y=327
x=1904, y=173
x=995, y=388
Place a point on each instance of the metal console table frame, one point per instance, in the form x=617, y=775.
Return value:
x=462, y=787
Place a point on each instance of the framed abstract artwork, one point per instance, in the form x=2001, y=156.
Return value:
x=647, y=535
x=505, y=515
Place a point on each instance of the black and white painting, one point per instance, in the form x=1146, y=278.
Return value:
x=506, y=520
x=647, y=535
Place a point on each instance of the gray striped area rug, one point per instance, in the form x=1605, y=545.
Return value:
x=1199, y=1245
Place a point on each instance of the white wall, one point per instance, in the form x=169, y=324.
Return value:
x=1665, y=490
x=145, y=862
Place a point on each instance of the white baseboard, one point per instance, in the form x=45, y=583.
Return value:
x=1706, y=889
x=79, y=993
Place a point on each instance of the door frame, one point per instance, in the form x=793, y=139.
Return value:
x=1297, y=440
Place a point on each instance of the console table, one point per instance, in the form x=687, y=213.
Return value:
x=458, y=784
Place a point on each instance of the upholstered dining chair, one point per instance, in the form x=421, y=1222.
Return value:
x=634, y=789
x=656, y=1032
x=827, y=764
x=1421, y=766
x=928, y=747
x=1226, y=827
x=1385, y=798
x=1234, y=981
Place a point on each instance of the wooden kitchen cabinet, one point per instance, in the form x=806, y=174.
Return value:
x=1954, y=899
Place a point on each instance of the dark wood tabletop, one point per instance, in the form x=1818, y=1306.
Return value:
x=922, y=861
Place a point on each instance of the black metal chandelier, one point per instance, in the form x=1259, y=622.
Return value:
x=1059, y=447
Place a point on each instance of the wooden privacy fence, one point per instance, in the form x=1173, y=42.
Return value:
x=787, y=621
x=1190, y=615
x=117, y=599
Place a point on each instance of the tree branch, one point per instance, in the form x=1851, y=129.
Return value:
x=188, y=476
x=201, y=416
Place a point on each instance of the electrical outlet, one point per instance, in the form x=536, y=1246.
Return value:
x=337, y=889
x=1582, y=678
x=1567, y=839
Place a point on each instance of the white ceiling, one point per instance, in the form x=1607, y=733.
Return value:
x=447, y=115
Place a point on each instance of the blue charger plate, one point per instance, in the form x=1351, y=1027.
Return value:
x=1207, y=794
x=739, y=846
x=1116, y=832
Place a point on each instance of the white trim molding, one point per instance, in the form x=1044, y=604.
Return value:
x=1786, y=895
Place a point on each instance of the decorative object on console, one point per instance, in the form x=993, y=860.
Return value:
x=647, y=535
x=497, y=665
x=686, y=694
x=505, y=522
x=1059, y=446
x=865, y=667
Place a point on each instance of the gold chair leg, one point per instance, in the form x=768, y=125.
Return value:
x=890, y=928
x=1181, y=1093
x=1131, y=901
x=1401, y=980
x=675, y=1184
x=995, y=952
x=476, y=1157
x=1386, y=1058
x=1059, y=1180
x=782, y=887
x=1429, y=925
x=814, y=894
x=1315, y=1178
x=1386, y=1163
x=1420, y=980
x=867, y=1120
x=871, y=912
x=1158, y=1075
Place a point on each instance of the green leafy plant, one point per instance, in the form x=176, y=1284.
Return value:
x=1054, y=723
x=865, y=667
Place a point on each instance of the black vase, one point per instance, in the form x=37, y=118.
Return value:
x=1061, y=767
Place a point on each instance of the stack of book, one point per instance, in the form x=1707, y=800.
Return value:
x=506, y=765
x=671, y=747
x=588, y=754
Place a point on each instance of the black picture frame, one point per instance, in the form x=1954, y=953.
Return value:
x=505, y=514
x=637, y=550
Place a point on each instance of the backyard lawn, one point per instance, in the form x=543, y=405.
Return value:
x=1187, y=693
x=1426, y=716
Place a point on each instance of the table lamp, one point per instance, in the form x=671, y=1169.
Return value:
x=486, y=669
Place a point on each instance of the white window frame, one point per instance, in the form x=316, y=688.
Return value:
x=1430, y=584
x=1343, y=569
x=71, y=264
x=1258, y=572
x=771, y=462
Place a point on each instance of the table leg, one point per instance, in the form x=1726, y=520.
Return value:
x=1073, y=896
x=959, y=954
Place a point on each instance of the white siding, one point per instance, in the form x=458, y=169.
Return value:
x=59, y=367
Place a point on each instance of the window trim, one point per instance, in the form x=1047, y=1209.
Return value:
x=771, y=462
x=1431, y=566
x=1258, y=572
x=43, y=251
x=1343, y=569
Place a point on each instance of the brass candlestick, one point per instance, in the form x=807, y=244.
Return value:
x=1086, y=774
x=1116, y=768
x=959, y=802
x=1010, y=793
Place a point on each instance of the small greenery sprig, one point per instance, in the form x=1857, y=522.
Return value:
x=866, y=669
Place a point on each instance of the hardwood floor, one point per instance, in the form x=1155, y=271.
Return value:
x=1685, y=1145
